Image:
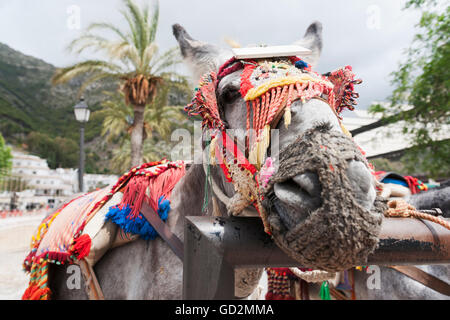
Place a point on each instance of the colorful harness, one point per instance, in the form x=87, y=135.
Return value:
x=60, y=238
x=269, y=88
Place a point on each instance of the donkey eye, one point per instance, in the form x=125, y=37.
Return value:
x=229, y=94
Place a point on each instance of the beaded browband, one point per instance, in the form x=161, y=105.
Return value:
x=269, y=87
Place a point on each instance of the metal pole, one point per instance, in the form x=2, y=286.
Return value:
x=215, y=246
x=81, y=166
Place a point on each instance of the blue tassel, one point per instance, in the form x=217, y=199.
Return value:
x=346, y=284
x=139, y=225
x=300, y=64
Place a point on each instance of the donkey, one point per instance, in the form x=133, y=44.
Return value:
x=149, y=269
x=393, y=285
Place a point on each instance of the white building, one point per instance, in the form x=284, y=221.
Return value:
x=384, y=139
x=44, y=187
x=94, y=181
x=35, y=172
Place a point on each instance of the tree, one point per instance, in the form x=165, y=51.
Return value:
x=153, y=150
x=131, y=58
x=5, y=158
x=159, y=119
x=422, y=83
x=59, y=152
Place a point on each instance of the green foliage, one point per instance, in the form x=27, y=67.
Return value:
x=5, y=158
x=433, y=157
x=28, y=103
x=382, y=164
x=159, y=121
x=35, y=113
x=59, y=152
x=422, y=82
x=128, y=53
x=153, y=150
x=13, y=183
x=131, y=58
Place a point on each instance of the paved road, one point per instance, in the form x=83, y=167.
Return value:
x=15, y=236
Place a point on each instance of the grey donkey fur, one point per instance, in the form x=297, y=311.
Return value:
x=148, y=269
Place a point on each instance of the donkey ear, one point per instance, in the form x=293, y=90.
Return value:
x=313, y=41
x=201, y=57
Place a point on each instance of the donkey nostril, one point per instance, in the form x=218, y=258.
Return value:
x=309, y=182
x=301, y=192
x=296, y=198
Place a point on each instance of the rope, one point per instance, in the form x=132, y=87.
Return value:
x=217, y=191
x=400, y=208
x=314, y=275
x=207, y=181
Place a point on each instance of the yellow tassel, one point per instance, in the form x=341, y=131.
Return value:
x=263, y=145
x=212, y=151
x=252, y=154
x=254, y=93
x=287, y=117
x=345, y=131
x=259, y=149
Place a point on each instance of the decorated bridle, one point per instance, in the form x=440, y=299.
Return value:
x=269, y=87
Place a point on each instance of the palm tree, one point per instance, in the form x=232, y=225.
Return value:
x=159, y=119
x=152, y=150
x=131, y=57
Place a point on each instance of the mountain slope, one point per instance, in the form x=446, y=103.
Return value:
x=39, y=117
x=29, y=103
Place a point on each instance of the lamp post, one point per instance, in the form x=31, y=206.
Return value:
x=82, y=113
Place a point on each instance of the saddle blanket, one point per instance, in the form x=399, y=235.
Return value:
x=86, y=227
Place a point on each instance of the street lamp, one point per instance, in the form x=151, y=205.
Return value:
x=82, y=113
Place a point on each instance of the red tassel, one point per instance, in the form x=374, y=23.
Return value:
x=163, y=184
x=28, y=292
x=81, y=246
x=246, y=84
x=41, y=294
x=36, y=293
x=28, y=261
x=134, y=194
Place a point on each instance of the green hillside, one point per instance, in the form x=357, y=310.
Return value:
x=39, y=117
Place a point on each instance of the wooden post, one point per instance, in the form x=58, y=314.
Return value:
x=92, y=286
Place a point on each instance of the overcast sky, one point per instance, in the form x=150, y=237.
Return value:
x=369, y=35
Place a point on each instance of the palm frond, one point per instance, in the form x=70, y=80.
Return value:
x=63, y=75
x=116, y=114
x=131, y=56
x=132, y=33
x=151, y=150
x=168, y=59
x=95, y=78
x=154, y=23
x=149, y=52
x=138, y=24
x=109, y=27
x=87, y=40
x=125, y=52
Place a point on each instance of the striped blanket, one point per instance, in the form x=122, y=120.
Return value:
x=61, y=237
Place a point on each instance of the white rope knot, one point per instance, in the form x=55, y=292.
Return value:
x=314, y=275
x=400, y=208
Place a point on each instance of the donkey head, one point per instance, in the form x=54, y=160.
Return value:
x=297, y=196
